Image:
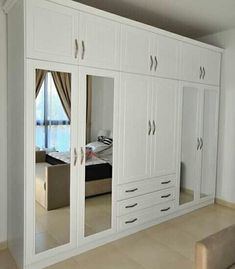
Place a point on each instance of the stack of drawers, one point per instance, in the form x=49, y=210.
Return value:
x=146, y=200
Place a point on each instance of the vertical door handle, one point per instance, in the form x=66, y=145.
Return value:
x=154, y=127
x=204, y=72
x=83, y=49
x=156, y=63
x=75, y=157
x=150, y=127
x=151, y=62
x=82, y=155
x=198, y=143
x=76, y=48
x=200, y=72
x=201, y=143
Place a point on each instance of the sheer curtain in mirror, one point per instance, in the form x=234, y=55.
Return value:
x=52, y=159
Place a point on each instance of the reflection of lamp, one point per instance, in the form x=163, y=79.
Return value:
x=104, y=133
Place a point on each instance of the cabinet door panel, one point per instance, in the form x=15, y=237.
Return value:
x=164, y=135
x=209, y=139
x=51, y=32
x=101, y=39
x=135, y=50
x=167, y=52
x=210, y=60
x=190, y=63
x=134, y=130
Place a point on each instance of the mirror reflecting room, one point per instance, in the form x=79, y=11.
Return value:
x=52, y=159
x=188, y=152
x=99, y=154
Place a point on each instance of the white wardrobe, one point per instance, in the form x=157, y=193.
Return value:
x=154, y=92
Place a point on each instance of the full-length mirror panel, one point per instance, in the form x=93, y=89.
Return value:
x=209, y=143
x=99, y=154
x=52, y=159
x=188, y=144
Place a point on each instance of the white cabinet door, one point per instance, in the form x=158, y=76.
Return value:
x=135, y=50
x=210, y=61
x=209, y=133
x=164, y=127
x=166, y=51
x=134, y=162
x=100, y=42
x=51, y=32
x=190, y=63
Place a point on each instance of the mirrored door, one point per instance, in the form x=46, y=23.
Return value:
x=99, y=153
x=54, y=165
x=189, y=144
x=209, y=141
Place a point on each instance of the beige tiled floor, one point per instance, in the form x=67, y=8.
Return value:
x=169, y=245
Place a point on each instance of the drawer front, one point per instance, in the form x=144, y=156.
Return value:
x=145, y=201
x=146, y=215
x=145, y=186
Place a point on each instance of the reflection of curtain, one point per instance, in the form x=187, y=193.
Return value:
x=88, y=108
x=40, y=76
x=63, y=85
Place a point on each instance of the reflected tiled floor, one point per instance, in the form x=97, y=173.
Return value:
x=52, y=227
x=169, y=245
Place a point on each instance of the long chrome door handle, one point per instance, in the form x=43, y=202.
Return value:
x=83, y=49
x=150, y=127
x=76, y=48
x=204, y=72
x=82, y=155
x=154, y=127
x=198, y=143
x=201, y=143
x=75, y=157
x=156, y=63
x=151, y=62
x=200, y=72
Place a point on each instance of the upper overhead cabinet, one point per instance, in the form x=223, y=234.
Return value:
x=146, y=53
x=200, y=65
x=166, y=57
x=135, y=50
x=99, y=42
x=52, y=32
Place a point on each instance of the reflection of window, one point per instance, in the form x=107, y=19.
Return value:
x=52, y=123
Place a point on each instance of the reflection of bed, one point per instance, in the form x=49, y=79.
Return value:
x=53, y=179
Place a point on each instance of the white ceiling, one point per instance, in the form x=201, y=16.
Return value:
x=193, y=18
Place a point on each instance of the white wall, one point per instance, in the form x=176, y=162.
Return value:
x=226, y=157
x=3, y=129
x=102, y=105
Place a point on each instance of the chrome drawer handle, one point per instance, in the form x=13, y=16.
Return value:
x=165, y=209
x=166, y=196
x=131, y=206
x=131, y=221
x=133, y=190
x=166, y=182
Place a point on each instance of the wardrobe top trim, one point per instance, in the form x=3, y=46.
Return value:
x=94, y=11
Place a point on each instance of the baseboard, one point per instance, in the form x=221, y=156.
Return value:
x=224, y=203
x=3, y=245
